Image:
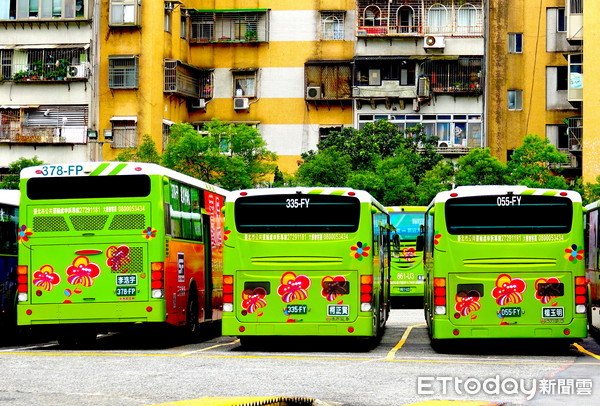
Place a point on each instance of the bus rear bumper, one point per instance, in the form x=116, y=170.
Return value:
x=362, y=327
x=90, y=313
x=576, y=329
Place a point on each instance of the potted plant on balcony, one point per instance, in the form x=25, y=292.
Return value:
x=20, y=76
x=251, y=35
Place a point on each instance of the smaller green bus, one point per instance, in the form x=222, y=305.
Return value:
x=407, y=262
x=305, y=262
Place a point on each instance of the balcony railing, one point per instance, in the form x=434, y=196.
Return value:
x=227, y=26
x=187, y=81
x=44, y=135
x=458, y=76
x=328, y=80
x=50, y=64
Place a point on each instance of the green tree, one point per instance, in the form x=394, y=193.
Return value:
x=535, y=163
x=479, y=167
x=146, y=152
x=11, y=181
x=329, y=167
x=437, y=179
x=233, y=156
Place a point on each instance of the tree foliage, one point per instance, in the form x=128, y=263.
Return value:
x=479, y=167
x=146, y=152
x=11, y=181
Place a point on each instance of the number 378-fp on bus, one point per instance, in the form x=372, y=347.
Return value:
x=505, y=262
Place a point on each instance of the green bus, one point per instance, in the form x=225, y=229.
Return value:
x=305, y=262
x=407, y=263
x=505, y=262
x=104, y=245
x=593, y=266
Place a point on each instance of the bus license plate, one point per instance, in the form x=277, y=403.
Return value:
x=297, y=309
x=510, y=312
x=338, y=310
x=126, y=291
x=404, y=290
x=553, y=312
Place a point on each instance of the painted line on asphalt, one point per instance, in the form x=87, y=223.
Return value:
x=185, y=354
x=584, y=351
x=393, y=351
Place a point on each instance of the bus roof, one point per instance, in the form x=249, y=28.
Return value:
x=9, y=196
x=483, y=190
x=393, y=209
x=115, y=168
x=362, y=195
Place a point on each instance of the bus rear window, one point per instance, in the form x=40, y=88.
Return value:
x=509, y=214
x=88, y=187
x=297, y=214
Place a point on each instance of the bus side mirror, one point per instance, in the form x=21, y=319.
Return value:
x=420, y=242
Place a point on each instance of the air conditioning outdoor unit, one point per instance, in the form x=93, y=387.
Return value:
x=199, y=104
x=77, y=71
x=240, y=103
x=313, y=92
x=432, y=42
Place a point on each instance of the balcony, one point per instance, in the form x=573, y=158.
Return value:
x=229, y=26
x=45, y=12
x=328, y=82
x=187, y=81
x=575, y=134
x=458, y=77
x=574, y=16
x=414, y=18
x=51, y=64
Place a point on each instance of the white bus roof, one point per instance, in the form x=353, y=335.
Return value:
x=486, y=190
x=9, y=196
x=362, y=195
x=111, y=169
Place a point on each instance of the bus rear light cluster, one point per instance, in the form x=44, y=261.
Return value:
x=22, y=283
x=157, y=280
x=581, y=294
x=227, y=293
x=439, y=295
x=366, y=293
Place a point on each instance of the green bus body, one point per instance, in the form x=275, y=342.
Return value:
x=505, y=262
x=593, y=265
x=305, y=262
x=407, y=263
x=114, y=243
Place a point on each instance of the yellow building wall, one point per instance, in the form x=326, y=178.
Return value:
x=591, y=91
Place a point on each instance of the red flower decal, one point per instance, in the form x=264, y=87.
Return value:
x=149, y=232
x=467, y=304
x=359, y=250
x=573, y=254
x=545, y=299
x=117, y=257
x=252, y=300
x=293, y=287
x=409, y=254
x=436, y=239
x=334, y=287
x=82, y=272
x=508, y=290
x=227, y=232
x=46, y=278
x=23, y=234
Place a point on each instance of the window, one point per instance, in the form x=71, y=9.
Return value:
x=183, y=27
x=124, y=133
x=561, y=20
x=123, y=72
x=515, y=100
x=562, y=77
x=372, y=17
x=244, y=84
x=88, y=187
x=42, y=9
x=167, y=19
x=405, y=20
x=332, y=25
x=558, y=135
x=6, y=57
x=515, y=43
x=575, y=71
x=437, y=16
x=466, y=19
x=124, y=12
x=325, y=130
x=229, y=26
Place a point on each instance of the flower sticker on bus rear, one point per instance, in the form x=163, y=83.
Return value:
x=548, y=289
x=149, y=232
x=574, y=254
x=118, y=258
x=82, y=272
x=254, y=299
x=508, y=290
x=293, y=287
x=359, y=250
x=23, y=234
x=46, y=278
x=333, y=287
x=467, y=304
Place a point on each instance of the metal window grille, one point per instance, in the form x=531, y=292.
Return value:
x=6, y=57
x=124, y=134
x=332, y=25
x=458, y=76
x=123, y=72
x=334, y=80
x=45, y=63
x=576, y=6
x=187, y=81
x=229, y=26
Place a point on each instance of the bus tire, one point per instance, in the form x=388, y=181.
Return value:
x=77, y=338
x=192, y=325
x=439, y=345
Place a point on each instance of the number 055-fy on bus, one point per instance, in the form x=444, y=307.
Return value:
x=505, y=262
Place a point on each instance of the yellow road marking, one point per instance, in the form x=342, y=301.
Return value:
x=583, y=350
x=392, y=352
x=185, y=354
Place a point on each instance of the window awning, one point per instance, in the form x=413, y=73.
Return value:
x=243, y=69
x=124, y=118
x=18, y=106
x=167, y=122
x=45, y=46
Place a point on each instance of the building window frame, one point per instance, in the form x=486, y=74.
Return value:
x=515, y=42
x=515, y=99
x=123, y=71
x=332, y=25
x=124, y=133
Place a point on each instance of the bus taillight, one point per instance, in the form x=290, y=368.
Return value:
x=227, y=293
x=439, y=295
x=157, y=280
x=22, y=283
x=581, y=291
x=366, y=293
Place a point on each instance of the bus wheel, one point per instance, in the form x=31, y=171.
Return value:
x=441, y=346
x=77, y=338
x=192, y=325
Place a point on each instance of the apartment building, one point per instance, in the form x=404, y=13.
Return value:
x=534, y=77
x=46, y=96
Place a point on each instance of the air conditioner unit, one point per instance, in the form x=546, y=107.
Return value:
x=313, y=92
x=199, y=104
x=77, y=71
x=240, y=103
x=443, y=144
x=432, y=42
